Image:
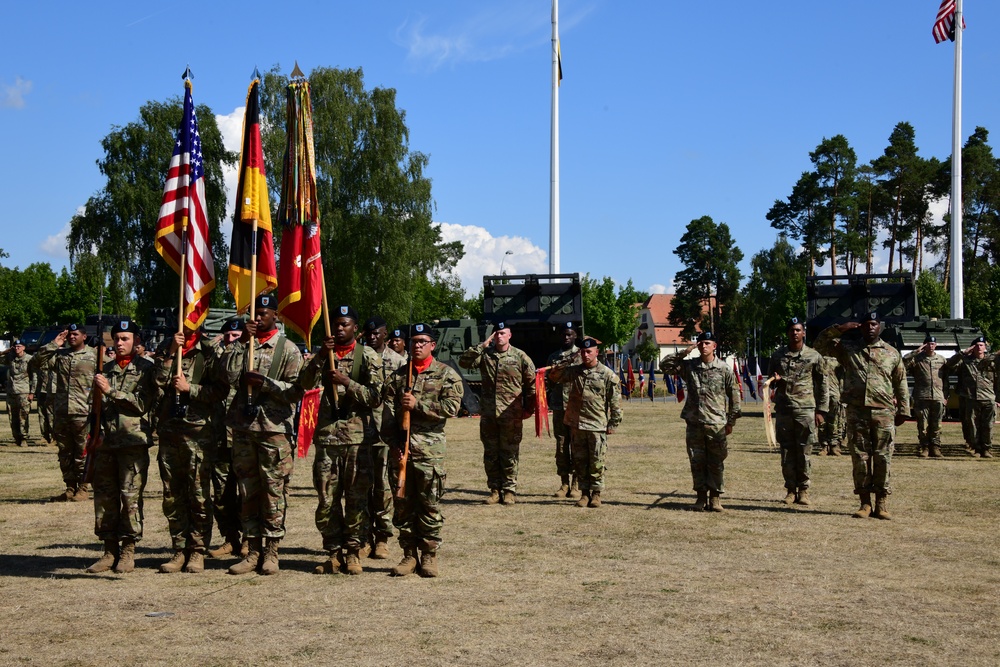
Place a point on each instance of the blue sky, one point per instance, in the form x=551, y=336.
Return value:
x=669, y=110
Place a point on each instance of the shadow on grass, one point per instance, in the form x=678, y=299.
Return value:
x=675, y=500
x=14, y=565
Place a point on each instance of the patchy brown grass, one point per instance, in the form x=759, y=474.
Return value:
x=639, y=581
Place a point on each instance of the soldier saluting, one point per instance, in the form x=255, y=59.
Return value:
x=978, y=377
x=927, y=368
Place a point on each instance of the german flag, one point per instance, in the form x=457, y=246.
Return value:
x=251, y=204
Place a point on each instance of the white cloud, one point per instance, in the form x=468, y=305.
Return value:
x=231, y=128
x=54, y=245
x=657, y=288
x=485, y=253
x=13, y=96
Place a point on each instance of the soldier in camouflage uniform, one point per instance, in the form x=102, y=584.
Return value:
x=978, y=378
x=801, y=400
x=45, y=395
x=558, y=395
x=225, y=495
x=342, y=469
x=188, y=436
x=122, y=459
x=927, y=368
x=593, y=412
x=711, y=409
x=436, y=396
x=20, y=378
x=508, y=398
x=261, y=417
x=380, y=499
x=831, y=432
x=877, y=401
x=74, y=369
x=397, y=343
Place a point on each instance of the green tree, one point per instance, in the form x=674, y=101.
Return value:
x=648, y=350
x=932, y=297
x=981, y=297
x=775, y=293
x=798, y=217
x=119, y=220
x=608, y=316
x=380, y=246
x=835, y=163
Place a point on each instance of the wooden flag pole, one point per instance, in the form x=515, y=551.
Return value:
x=180, y=310
x=334, y=398
x=253, y=288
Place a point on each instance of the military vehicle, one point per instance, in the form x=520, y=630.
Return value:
x=536, y=307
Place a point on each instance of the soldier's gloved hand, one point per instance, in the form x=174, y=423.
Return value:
x=900, y=419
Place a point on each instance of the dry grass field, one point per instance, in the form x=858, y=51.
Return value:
x=640, y=581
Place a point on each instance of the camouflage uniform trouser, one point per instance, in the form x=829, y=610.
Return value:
x=46, y=405
x=342, y=476
x=795, y=431
x=186, y=471
x=70, y=433
x=263, y=465
x=501, y=448
x=380, y=498
x=980, y=416
x=968, y=433
x=418, y=515
x=870, y=436
x=831, y=433
x=589, y=450
x=119, y=479
x=225, y=496
x=564, y=440
x=18, y=409
x=928, y=421
x=707, y=450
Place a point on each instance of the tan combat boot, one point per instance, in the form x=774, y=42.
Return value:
x=936, y=452
x=986, y=454
x=409, y=563
x=196, y=563
x=381, y=550
x=175, y=564
x=270, y=562
x=331, y=565
x=835, y=450
x=563, y=491
x=922, y=452
x=244, y=547
x=882, y=507
x=227, y=548
x=126, y=560
x=428, y=564
x=595, y=499
x=803, y=497
x=353, y=561
x=715, y=502
x=789, y=497
x=64, y=496
x=701, y=502
x=107, y=560
x=494, y=497
x=865, y=510
x=822, y=451
x=251, y=560
x=574, y=489
x=584, y=499
x=509, y=498
x=81, y=493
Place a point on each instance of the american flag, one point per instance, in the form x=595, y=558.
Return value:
x=183, y=208
x=945, y=23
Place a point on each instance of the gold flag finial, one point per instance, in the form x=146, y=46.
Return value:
x=297, y=73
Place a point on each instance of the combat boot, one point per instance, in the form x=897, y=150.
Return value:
x=715, y=503
x=196, y=563
x=865, y=510
x=822, y=451
x=986, y=454
x=270, y=563
x=381, y=550
x=574, y=489
x=251, y=560
x=353, y=561
x=64, y=496
x=509, y=498
x=882, y=507
x=834, y=450
x=789, y=497
x=595, y=499
x=563, y=491
x=175, y=564
x=244, y=548
x=936, y=452
x=701, y=502
x=331, y=565
x=126, y=560
x=106, y=561
x=81, y=493
x=428, y=564
x=227, y=548
x=803, y=497
x=494, y=497
x=922, y=453
x=409, y=563
x=584, y=499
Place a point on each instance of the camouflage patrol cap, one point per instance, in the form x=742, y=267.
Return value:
x=125, y=326
x=588, y=343
x=423, y=329
x=345, y=311
x=232, y=324
x=373, y=323
x=705, y=335
x=268, y=301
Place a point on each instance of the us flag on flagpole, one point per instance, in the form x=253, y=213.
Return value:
x=944, y=25
x=184, y=206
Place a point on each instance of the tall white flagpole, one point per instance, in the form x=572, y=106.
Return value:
x=957, y=287
x=554, y=163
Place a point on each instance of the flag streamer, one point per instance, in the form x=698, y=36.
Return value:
x=541, y=404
